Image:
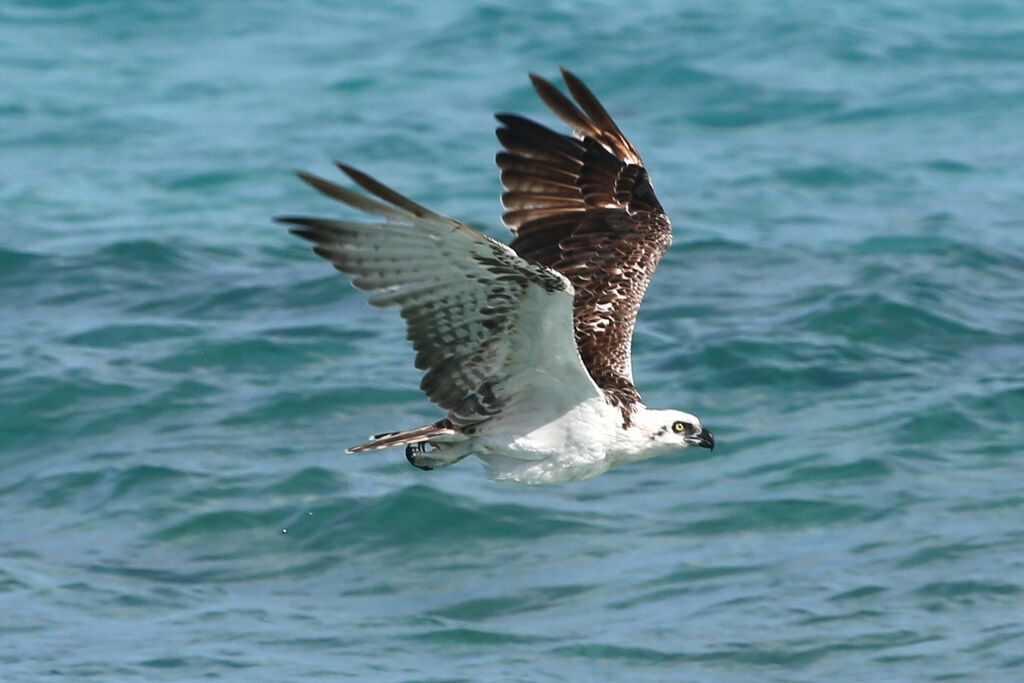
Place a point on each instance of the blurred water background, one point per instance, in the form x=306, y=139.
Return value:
x=843, y=306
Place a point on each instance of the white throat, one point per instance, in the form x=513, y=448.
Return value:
x=651, y=434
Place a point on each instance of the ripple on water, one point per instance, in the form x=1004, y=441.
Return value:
x=864, y=470
x=11, y=262
x=888, y=323
x=941, y=553
x=123, y=335
x=421, y=517
x=470, y=636
x=314, y=406
x=260, y=356
x=533, y=600
x=145, y=254
x=775, y=514
x=968, y=591
x=790, y=364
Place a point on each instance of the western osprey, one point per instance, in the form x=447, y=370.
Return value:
x=527, y=345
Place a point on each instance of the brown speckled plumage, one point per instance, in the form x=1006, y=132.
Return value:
x=585, y=207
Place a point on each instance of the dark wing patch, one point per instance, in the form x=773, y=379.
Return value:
x=585, y=207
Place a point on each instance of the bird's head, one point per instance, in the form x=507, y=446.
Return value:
x=674, y=429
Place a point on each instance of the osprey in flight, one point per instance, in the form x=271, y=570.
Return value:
x=527, y=345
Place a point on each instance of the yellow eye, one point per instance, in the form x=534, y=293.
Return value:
x=679, y=427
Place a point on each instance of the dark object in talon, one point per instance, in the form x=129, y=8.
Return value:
x=414, y=449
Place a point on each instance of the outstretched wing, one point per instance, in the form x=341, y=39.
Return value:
x=585, y=207
x=487, y=325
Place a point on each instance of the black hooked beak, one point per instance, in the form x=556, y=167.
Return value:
x=703, y=438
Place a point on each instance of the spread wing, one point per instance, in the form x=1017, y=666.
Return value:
x=488, y=326
x=584, y=206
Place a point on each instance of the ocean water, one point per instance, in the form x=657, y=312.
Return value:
x=843, y=307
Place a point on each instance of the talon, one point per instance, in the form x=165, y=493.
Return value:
x=414, y=449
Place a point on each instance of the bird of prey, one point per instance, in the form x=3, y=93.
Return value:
x=525, y=345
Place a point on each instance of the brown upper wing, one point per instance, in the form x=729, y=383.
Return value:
x=585, y=207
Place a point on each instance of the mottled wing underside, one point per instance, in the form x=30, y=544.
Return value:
x=472, y=306
x=584, y=206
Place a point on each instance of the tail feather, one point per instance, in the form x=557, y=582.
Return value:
x=407, y=436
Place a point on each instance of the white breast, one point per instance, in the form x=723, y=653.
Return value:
x=530, y=448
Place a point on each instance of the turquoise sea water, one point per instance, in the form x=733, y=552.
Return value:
x=843, y=306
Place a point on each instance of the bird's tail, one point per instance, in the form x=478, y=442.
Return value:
x=407, y=436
